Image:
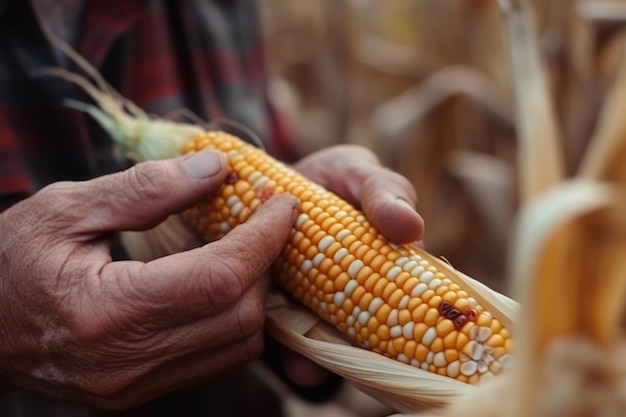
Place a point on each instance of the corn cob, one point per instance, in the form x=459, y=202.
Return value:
x=385, y=297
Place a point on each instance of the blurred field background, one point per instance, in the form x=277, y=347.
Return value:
x=426, y=85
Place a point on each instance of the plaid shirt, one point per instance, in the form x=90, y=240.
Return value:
x=164, y=55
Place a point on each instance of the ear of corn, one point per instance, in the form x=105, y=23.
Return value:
x=384, y=297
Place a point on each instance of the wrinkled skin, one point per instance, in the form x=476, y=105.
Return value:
x=75, y=324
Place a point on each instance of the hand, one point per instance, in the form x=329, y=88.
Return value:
x=355, y=174
x=75, y=324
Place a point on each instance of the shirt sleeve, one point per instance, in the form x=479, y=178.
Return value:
x=14, y=183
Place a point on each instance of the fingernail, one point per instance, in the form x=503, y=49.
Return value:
x=203, y=164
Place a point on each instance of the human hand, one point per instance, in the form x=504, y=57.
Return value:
x=355, y=174
x=74, y=324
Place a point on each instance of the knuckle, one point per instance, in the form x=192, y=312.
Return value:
x=396, y=180
x=250, y=316
x=255, y=248
x=85, y=328
x=361, y=152
x=223, y=287
x=366, y=153
x=404, y=184
x=59, y=199
x=53, y=190
x=390, y=183
x=91, y=323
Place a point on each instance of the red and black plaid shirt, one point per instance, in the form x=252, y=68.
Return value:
x=164, y=55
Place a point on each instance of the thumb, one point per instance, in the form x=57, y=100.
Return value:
x=144, y=195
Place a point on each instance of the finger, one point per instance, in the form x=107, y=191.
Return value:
x=234, y=324
x=202, y=281
x=147, y=193
x=355, y=173
x=388, y=200
x=237, y=323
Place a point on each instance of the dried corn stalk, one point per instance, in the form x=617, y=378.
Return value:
x=568, y=269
